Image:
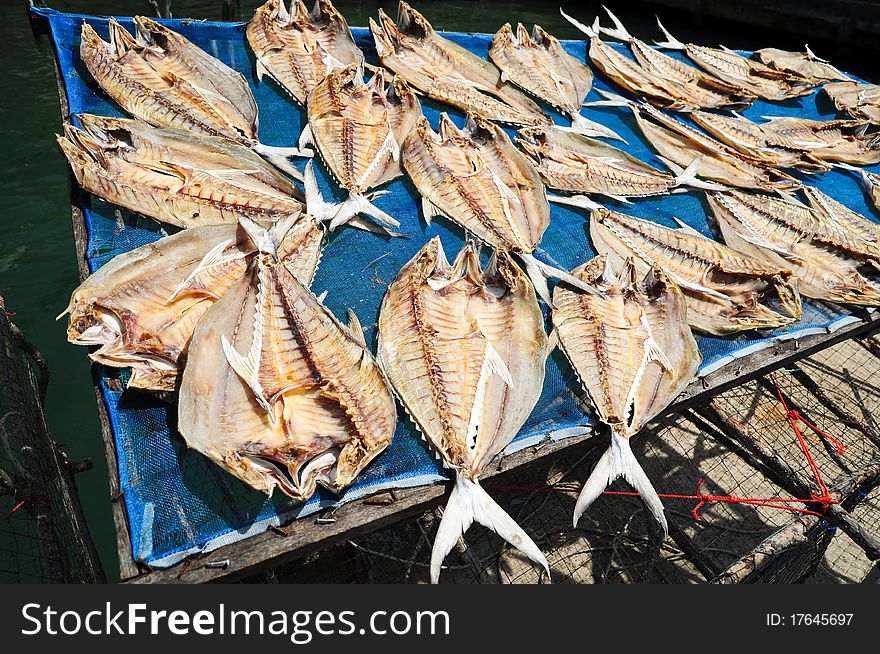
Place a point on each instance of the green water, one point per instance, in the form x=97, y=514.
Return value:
x=37, y=264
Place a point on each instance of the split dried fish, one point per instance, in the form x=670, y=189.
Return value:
x=753, y=76
x=806, y=64
x=759, y=142
x=173, y=176
x=161, y=78
x=276, y=390
x=658, y=78
x=297, y=48
x=680, y=145
x=830, y=261
x=142, y=306
x=571, y=162
x=633, y=353
x=358, y=127
x=540, y=65
x=830, y=140
x=726, y=291
x=836, y=212
x=464, y=349
x=476, y=177
x=447, y=72
x=860, y=101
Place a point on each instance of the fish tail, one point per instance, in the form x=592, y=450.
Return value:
x=538, y=272
x=589, y=31
x=587, y=127
x=582, y=201
x=671, y=43
x=611, y=100
x=356, y=204
x=687, y=177
x=619, y=461
x=467, y=504
x=619, y=32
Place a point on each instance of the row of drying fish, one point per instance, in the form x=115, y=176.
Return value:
x=280, y=393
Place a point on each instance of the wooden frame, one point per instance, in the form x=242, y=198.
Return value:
x=305, y=536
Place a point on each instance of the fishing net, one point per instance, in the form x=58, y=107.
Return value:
x=179, y=504
x=43, y=537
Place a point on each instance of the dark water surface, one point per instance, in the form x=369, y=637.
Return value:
x=37, y=263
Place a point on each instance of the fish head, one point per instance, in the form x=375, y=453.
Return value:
x=534, y=142
x=385, y=35
x=91, y=44
x=150, y=33
x=91, y=323
x=522, y=36
x=447, y=131
x=411, y=23
x=543, y=39
x=401, y=93
x=324, y=13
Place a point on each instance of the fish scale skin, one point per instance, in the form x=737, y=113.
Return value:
x=327, y=391
x=433, y=345
x=528, y=63
x=606, y=340
x=699, y=261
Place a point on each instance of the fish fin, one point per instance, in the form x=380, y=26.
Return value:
x=505, y=77
x=581, y=201
x=355, y=204
x=671, y=43
x=694, y=287
x=355, y=329
x=767, y=245
x=538, y=271
x=687, y=229
x=212, y=259
x=587, y=127
x=261, y=71
x=322, y=297
x=619, y=461
x=495, y=365
x=552, y=342
x=247, y=368
x=611, y=100
x=429, y=210
x=283, y=151
x=281, y=163
x=467, y=504
x=619, y=31
x=261, y=237
x=306, y=138
x=688, y=176
x=589, y=31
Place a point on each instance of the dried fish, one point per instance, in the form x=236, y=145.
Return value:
x=871, y=182
x=464, y=349
x=806, y=64
x=276, y=390
x=142, y=306
x=358, y=127
x=447, y=72
x=173, y=176
x=476, y=177
x=540, y=65
x=297, y=48
x=859, y=100
x=163, y=79
x=759, y=142
x=835, y=212
x=726, y=291
x=658, y=78
x=829, y=140
x=680, y=145
x=830, y=261
x=571, y=162
x=633, y=353
x=756, y=78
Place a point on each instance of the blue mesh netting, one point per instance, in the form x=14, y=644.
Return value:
x=179, y=503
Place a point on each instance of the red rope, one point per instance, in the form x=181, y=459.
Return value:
x=823, y=498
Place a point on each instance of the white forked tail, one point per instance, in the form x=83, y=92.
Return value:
x=581, y=201
x=671, y=43
x=589, y=31
x=278, y=157
x=619, y=461
x=467, y=504
x=619, y=32
x=687, y=177
x=587, y=127
x=539, y=272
